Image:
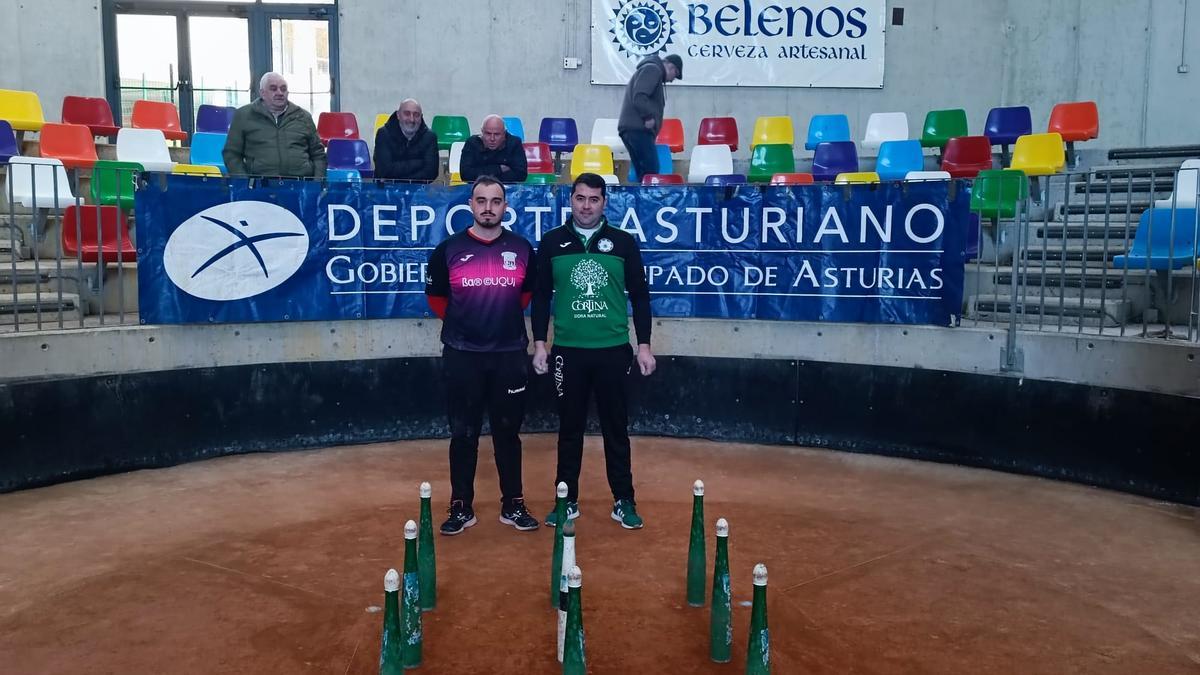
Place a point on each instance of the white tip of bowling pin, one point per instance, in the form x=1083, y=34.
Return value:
x=561, y=491
x=698, y=488
x=391, y=581
x=410, y=530
x=426, y=490
x=722, y=527
x=760, y=575
x=575, y=577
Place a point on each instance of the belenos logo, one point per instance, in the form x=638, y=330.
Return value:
x=236, y=250
x=642, y=27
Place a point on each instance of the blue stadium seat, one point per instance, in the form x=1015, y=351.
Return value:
x=560, y=133
x=898, y=158
x=827, y=129
x=1005, y=125
x=214, y=118
x=206, y=149
x=350, y=153
x=832, y=158
x=665, y=163
x=343, y=176
x=514, y=126
x=1156, y=243
x=8, y=142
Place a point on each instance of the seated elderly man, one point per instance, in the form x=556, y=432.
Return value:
x=494, y=152
x=405, y=149
x=272, y=137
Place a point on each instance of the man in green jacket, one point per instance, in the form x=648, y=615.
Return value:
x=272, y=137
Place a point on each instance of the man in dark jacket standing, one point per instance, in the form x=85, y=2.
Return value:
x=405, y=149
x=494, y=152
x=272, y=137
x=642, y=110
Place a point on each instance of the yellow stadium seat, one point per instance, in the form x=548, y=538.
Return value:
x=22, y=109
x=772, y=130
x=856, y=177
x=1039, y=154
x=197, y=169
x=381, y=119
x=456, y=179
x=587, y=158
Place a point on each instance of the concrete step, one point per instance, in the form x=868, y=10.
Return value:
x=1093, y=229
x=1075, y=252
x=1128, y=171
x=1056, y=277
x=39, y=307
x=1124, y=186
x=1109, y=312
x=1101, y=207
x=28, y=276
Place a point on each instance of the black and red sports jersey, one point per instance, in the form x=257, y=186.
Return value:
x=483, y=283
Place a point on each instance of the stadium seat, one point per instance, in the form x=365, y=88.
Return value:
x=827, y=129
x=1005, y=125
x=560, y=133
x=160, y=115
x=515, y=126
x=1186, y=185
x=350, y=153
x=883, y=127
x=942, y=125
x=113, y=183
x=22, y=109
x=8, y=142
x=718, y=131
x=450, y=129
x=206, y=149
x=541, y=178
x=671, y=134
x=454, y=164
x=709, y=160
x=92, y=112
x=73, y=144
x=856, y=177
x=996, y=193
x=214, y=119
x=666, y=163
x=1158, y=244
x=591, y=158
x=773, y=130
x=966, y=156
x=97, y=234
x=927, y=175
x=1078, y=121
x=539, y=158
x=897, y=158
x=725, y=179
x=604, y=132
x=343, y=176
x=147, y=147
x=331, y=125
x=834, y=157
x=39, y=183
x=1039, y=154
x=380, y=120
x=792, y=179
x=662, y=179
x=768, y=160
x=610, y=179
x=196, y=170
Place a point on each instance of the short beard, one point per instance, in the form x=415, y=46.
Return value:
x=487, y=226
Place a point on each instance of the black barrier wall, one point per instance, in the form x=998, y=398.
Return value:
x=1144, y=443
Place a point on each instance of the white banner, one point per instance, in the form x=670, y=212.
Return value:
x=756, y=43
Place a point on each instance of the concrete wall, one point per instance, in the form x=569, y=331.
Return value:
x=53, y=47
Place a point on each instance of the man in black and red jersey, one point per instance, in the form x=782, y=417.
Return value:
x=479, y=282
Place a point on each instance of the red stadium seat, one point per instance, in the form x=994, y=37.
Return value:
x=671, y=134
x=337, y=125
x=161, y=115
x=1079, y=121
x=539, y=158
x=662, y=179
x=91, y=112
x=966, y=156
x=72, y=144
x=792, y=179
x=104, y=231
x=719, y=131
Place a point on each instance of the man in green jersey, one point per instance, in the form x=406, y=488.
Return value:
x=593, y=271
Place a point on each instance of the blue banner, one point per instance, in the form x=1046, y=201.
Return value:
x=238, y=250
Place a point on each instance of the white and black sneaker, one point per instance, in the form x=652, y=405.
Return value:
x=515, y=514
x=461, y=517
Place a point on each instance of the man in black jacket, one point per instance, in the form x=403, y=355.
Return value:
x=494, y=152
x=643, y=107
x=405, y=149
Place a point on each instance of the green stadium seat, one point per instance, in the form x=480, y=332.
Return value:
x=770, y=159
x=450, y=129
x=995, y=193
x=942, y=125
x=113, y=183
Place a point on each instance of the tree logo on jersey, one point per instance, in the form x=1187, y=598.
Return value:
x=605, y=245
x=642, y=27
x=510, y=259
x=589, y=276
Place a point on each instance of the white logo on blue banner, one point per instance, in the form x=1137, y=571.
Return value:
x=235, y=250
x=760, y=43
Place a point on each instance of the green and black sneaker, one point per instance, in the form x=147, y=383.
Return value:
x=625, y=512
x=572, y=514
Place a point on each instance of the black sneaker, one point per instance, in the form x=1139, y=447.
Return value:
x=517, y=515
x=461, y=517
